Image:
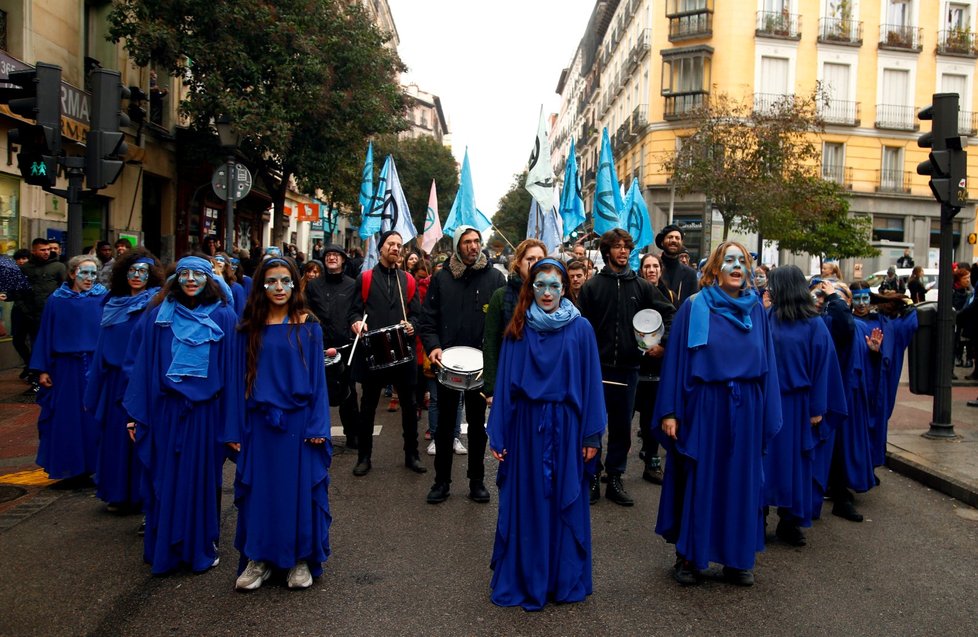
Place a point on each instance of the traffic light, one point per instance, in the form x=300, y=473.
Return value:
x=37, y=98
x=947, y=162
x=106, y=146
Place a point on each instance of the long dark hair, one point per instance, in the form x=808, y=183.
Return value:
x=515, y=328
x=790, y=298
x=256, y=314
x=211, y=292
x=119, y=284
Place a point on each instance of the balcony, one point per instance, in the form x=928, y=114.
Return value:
x=967, y=124
x=840, y=112
x=639, y=119
x=837, y=173
x=585, y=133
x=893, y=117
x=896, y=181
x=839, y=31
x=689, y=25
x=640, y=48
x=681, y=105
x=959, y=42
x=771, y=103
x=778, y=24
x=900, y=37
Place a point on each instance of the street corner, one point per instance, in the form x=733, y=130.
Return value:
x=946, y=465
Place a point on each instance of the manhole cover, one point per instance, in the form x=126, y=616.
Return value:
x=8, y=493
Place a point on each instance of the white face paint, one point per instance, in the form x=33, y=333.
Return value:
x=547, y=290
x=278, y=285
x=733, y=271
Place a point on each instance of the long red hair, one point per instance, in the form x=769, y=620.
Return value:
x=515, y=328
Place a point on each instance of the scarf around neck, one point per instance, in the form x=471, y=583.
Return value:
x=118, y=309
x=193, y=333
x=543, y=322
x=65, y=292
x=713, y=300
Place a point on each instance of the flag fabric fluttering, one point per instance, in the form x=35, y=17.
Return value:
x=464, y=212
x=545, y=226
x=432, y=224
x=607, y=193
x=635, y=214
x=540, y=177
x=367, y=181
x=571, y=201
x=372, y=218
x=396, y=215
x=372, y=256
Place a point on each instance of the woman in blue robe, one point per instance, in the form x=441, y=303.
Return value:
x=898, y=320
x=546, y=421
x=225, y=269
x=68, y=435
x=283, y=467
x=185, y=391
x=811, y=387
x=136, y=278
x=719, y=405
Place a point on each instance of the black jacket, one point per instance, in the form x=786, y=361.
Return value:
x=681, y=278
x=45, y=277
x=454, y=311
x=383, y=306
x=329, y=297
x=610, y=301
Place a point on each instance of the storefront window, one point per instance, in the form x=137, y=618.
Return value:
x=9, y=236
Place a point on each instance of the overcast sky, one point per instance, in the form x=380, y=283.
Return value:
x=492, y=64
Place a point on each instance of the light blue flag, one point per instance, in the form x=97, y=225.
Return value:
x=571, y=201
x=367, y=182
x=464, y=212
x=373, y=218
x=607, y=193
x=373, y=257
x=396, y=215
x=546, y=227
x=636, y=217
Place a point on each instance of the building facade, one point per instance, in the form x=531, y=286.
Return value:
x=879, y=62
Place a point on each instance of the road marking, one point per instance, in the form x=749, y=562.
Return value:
x=337, y=432
x=34, y=478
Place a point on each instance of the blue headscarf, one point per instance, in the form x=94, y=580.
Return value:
x=193, y=329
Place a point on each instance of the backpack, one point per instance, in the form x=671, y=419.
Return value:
x=368, y=277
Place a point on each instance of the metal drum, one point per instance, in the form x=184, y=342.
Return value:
x=648, y=328
x=387, y=347
x=461, y=368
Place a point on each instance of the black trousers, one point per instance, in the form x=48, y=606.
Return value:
x=403, y=381
x=475, y=415
x=620, y=405
x=19, y=333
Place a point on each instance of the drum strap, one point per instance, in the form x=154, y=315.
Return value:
x=368, y=277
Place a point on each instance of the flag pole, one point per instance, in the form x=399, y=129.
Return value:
x=504, y=238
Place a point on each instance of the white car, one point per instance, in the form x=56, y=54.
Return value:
x=930, y=281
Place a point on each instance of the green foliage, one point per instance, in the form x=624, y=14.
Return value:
x=418, y=161
x=514, y=210
x=306, y=82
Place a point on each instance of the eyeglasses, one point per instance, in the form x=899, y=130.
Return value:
x=184, y=276
x=542, y=288
x=285, y=282
x=138, y=271
x=87, y=274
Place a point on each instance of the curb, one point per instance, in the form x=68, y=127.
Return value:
x=905, y=464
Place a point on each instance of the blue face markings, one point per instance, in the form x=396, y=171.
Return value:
x=139, y=271
x=733, y=260
x=860, y=298
x=186, y=277
x=547, y=288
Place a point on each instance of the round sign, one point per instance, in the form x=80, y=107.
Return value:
x=240, y=182
x=972, y=238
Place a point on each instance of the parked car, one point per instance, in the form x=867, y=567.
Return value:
x=930, y=280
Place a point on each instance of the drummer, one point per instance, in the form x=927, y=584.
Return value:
x=388, y=297
x=610, y=301
x=454, y=315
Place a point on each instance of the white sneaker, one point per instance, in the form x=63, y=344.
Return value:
x=299, y=576
x=459, y=448
x=431, y=448
x=253, y=576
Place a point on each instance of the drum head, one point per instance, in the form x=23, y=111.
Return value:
x=647, y=321
x=462, y=359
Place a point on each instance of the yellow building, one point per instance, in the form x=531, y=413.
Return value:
x=879, y=60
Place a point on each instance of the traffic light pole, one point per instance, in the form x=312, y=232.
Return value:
x=941, y=425
x=229, y=176
x=75, y=172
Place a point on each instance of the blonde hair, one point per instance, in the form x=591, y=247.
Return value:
x=711, y=269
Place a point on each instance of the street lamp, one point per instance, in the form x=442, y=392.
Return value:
x=229, y=139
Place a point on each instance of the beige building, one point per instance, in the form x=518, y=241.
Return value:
x=642, y=66
x=425, y=115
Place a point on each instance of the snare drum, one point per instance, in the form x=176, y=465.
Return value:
x=387, y=347
x=461, y=368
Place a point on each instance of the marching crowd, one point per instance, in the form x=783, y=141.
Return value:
x=763, y=389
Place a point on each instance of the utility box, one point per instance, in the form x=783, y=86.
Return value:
x=923, y=350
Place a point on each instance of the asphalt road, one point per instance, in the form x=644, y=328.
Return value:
x=403, y=567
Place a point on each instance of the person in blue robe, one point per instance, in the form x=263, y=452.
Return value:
x=67, y=432
x=811, y=387
x=185, y=391
x=719, y=405
x=898, y=322
x=136, y=278
x=283, y=467
x=225, y=269
x=546, y=422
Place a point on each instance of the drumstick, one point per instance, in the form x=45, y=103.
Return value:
x=611, y=382
x=400, y=294
x=355, y=340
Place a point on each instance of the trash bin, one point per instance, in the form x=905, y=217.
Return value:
x=923, y=350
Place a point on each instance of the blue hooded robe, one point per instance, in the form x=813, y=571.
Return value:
x=281, y=480
x=727, y=401
x=548, y=400
x=117, y=475
x=811, y=385
x=180, y=437
x=68, y=435
x=897, y=333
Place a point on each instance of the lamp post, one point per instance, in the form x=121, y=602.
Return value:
x=229, y=139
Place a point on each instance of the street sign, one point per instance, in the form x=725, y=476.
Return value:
x=240, y=182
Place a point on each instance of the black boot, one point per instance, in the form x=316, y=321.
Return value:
x=413, y=463
x=846, y=510
x=478, y=492
x=362, y=468
x=616, y=491
x=595, y=488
